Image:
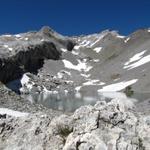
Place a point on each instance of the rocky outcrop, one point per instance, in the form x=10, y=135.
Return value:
x=29, y=60
x=27, y=52
x=11, y=100
x=104, y=126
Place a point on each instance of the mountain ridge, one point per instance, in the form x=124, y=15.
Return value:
x=89, y=51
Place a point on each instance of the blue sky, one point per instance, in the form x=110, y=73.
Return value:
x=74, y=17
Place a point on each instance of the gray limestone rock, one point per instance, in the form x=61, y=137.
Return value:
x=106, y=126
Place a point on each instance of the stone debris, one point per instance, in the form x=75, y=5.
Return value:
x=101, y=127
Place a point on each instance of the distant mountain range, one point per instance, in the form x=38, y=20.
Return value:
x=106, y=61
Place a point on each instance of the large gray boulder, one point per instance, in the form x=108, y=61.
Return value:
x=103, y=126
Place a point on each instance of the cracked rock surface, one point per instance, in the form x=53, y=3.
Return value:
x=26, y=52
x=105, y=126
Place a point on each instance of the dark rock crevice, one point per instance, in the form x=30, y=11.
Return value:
x=29, y=60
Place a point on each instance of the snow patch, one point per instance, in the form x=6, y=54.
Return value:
x=66, y=91
x=63, y=50
x=97, y=49
x=47, y=92
x=85, y=43
x=126, y=40
x=75, y=53
x=117, y=86
x=77, y=47
x=98, y=39
x=10, y=48
x=85, y=75
x=45, y=89
x=142, y=61
x=135, y=57
x=13, y=113
x=81, y=66
x=78, y=88
x=120, y=36
x=93, y=82
x=27, y=85
x=60, y=75
x=18, y=35
x=96, y=60
x=26, y=39
x=68, y=81
x=7, y=35
x=25, y=79
x=6, y=46
x=66, y=72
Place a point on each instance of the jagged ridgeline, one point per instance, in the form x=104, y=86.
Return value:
x=26, y=52
x=106, y=61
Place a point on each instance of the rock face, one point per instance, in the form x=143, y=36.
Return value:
x=101, y=127
x=26, y=52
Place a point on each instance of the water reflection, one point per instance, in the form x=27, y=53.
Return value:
x=63, y=101
x=70, y=101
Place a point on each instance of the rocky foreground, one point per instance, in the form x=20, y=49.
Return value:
x=105, y=126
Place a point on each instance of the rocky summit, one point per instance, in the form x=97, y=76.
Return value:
x=88, y=92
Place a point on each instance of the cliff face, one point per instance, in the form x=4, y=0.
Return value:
x=26, y=52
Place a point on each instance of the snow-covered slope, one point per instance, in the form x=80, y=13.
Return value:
x=97, y=63
x=106, y=62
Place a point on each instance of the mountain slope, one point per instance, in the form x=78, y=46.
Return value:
x=48, y=63
x=105, y=59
